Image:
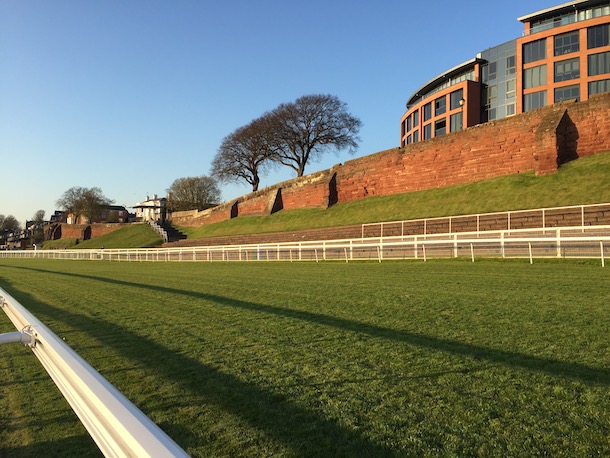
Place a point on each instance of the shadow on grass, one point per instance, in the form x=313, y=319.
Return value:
x=76, y=447
x=545, y=365
x=304, y=432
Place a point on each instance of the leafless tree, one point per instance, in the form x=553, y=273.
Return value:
x=9, y=223
x=192, y=193
x=86, y=202
x=243, y=155
x=302, y=131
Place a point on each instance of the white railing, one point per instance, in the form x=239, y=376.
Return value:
x=540, y=215
x=157, y=228
x=116, y=425
x=564, y=242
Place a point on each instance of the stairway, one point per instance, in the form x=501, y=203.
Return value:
x=173, y=234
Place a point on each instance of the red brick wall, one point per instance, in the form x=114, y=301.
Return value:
x=538, y=140
x=77, y=231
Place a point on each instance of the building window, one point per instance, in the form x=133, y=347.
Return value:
x=599, y=63
x=597, y=87
x=490, y=71
x=510, y=109
x=598, y=36
x=440, y=106
x=427, y=131
x=409, y=126
x=567, y=43
x=567, y=70
x=511, y=86
x=415, y=119
x=534, y=100
x=409, y=140
x=455, y=98
x=511, y=65
x=456, y=122
x=536, y=50
x=440, y=127
x=416, y=136
x=427, y=112
x=535, y=76
x=567, y=93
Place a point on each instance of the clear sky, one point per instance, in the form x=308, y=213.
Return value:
x=128, y=95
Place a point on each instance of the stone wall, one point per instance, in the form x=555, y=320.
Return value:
x=539, y=140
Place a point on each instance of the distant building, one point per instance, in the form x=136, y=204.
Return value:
x=563, y=54
x=151, y=209
x=107, y=214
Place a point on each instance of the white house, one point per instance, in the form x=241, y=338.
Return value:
x=151, y=209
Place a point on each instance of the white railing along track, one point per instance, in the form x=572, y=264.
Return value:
x=116, y=425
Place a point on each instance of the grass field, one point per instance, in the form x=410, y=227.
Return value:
x=449, y=358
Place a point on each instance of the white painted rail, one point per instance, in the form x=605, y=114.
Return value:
x=557, y=242
x=116, y=425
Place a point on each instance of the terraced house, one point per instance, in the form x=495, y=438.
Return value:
x=563, y=54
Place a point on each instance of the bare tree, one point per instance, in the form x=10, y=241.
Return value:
x=192, y=193
x=87, y=202
x=302, y=131
x=243, y=155
x=9, y=223
x=38, y=217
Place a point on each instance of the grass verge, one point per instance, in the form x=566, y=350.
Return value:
x=442, y=358
x=583, y=181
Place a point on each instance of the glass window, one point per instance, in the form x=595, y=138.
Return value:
x=535, y=76
x=597, y=87
x=567, y=43
x=440, y=127
x=598, y=36
x=567, y=70
x=511, y=65
x=456, y=122
x=599, y=63
x=510, y=109
x=511, y=86
x=415, y=119
x=427, y=111
x=534, y=100
x=416, y=136
x=536, y=50
x=427, y=131
x=567, y=93
x=409, y=121
x=455, y=97
x=440, y=106
x=409, y=140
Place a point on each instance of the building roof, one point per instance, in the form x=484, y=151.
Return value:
x=563, y=8
x=437, y=80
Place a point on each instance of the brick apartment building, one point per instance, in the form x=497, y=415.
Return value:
x=563, y=54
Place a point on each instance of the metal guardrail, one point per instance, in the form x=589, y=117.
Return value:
x=565, y=242
x=116, y=425
x=540, y=214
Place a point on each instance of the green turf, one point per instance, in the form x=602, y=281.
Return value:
x=133, y=236
x=444, y=358
x=583, y=181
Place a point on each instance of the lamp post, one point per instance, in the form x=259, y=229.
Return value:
x=462, y=102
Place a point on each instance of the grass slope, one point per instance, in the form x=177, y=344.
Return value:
x=444, y=358
x=583, y=181
x=133, y=236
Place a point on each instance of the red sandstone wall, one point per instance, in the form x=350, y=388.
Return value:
x=77, y=231
x=538, y=140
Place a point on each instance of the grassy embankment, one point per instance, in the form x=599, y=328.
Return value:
x=579, y=182
x=444, y=358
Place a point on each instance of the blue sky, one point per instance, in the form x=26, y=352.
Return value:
x=128, y=96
